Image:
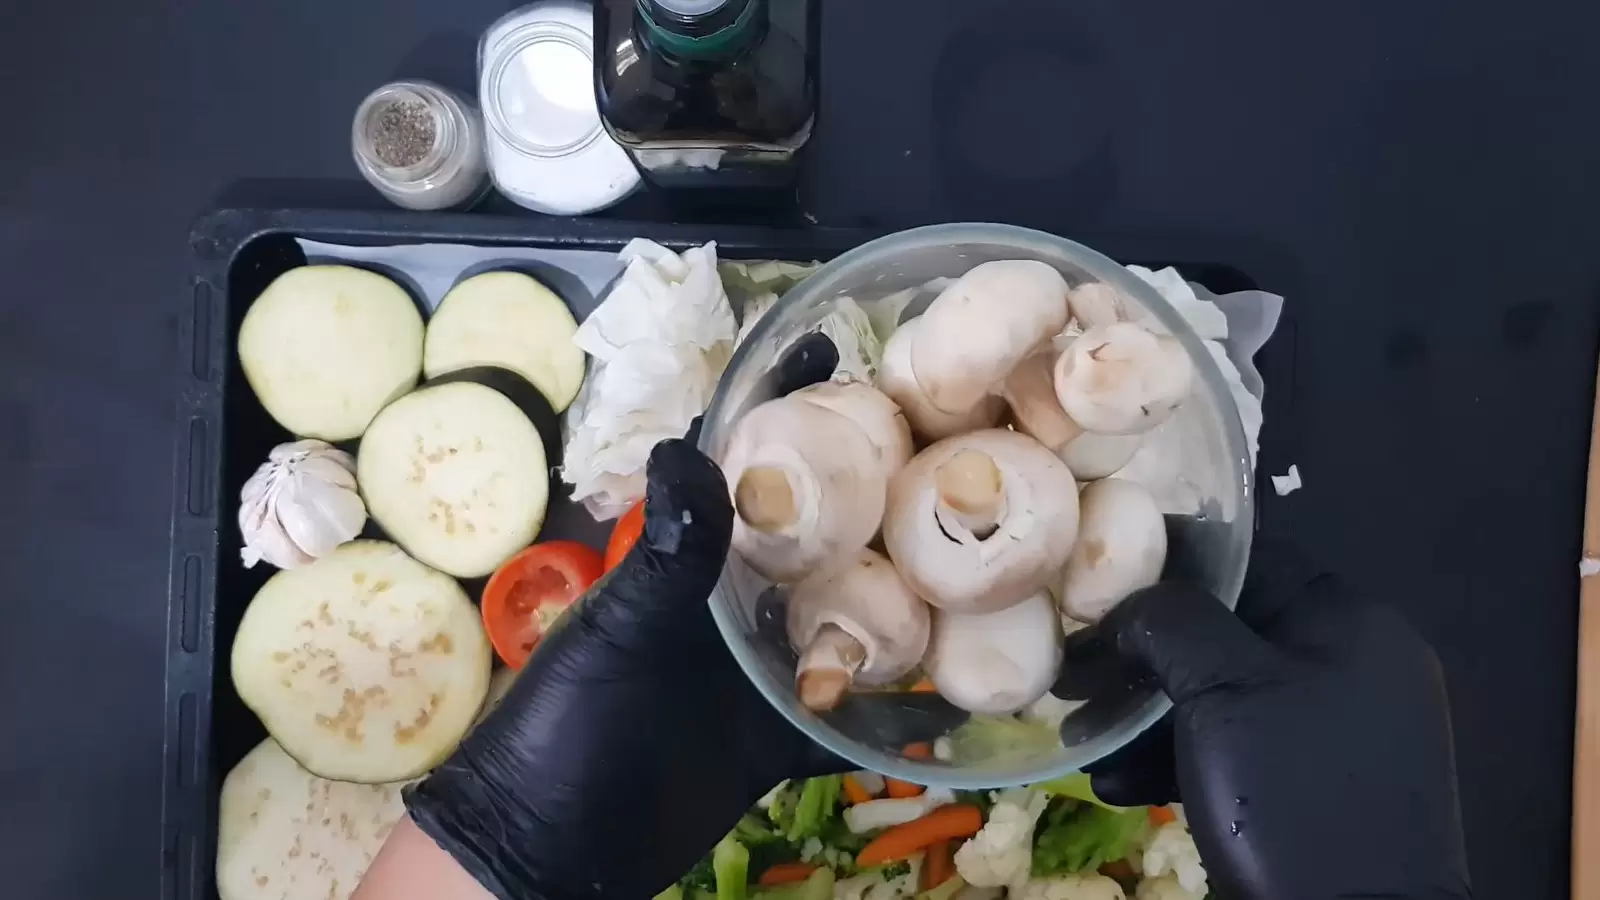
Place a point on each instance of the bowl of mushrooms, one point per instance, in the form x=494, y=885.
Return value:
x=915, y=539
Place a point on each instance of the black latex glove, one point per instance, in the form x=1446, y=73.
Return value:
x=631, y=741
x=1313, y=755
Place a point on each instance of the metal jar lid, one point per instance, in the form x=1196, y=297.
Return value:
x=548, y=149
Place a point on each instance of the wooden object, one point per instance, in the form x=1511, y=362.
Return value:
x=1586, y=715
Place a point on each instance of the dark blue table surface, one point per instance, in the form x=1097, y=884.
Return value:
x=1418, y=179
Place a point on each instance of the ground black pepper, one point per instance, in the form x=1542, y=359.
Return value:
x=403, y=133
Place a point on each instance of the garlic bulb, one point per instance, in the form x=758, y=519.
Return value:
x=299, y=505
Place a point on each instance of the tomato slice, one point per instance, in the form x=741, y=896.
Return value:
x=625, y=535
x=526, y=595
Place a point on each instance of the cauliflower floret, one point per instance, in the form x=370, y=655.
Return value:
x=1001, y=853
x=1166, y=888
x=855, y=887
x=1172, y=850
x=1071, y=887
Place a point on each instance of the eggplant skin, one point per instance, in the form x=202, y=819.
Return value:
x=520, y=391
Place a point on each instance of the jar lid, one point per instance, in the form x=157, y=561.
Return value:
x=540, y=89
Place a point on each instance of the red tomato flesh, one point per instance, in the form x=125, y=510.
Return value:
x=624, y=535
x=531, y=590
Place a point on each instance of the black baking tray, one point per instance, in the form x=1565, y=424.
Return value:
x=222, y=434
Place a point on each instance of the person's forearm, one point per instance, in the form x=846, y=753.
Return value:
x=412, y=867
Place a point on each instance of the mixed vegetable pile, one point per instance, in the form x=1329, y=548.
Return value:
x=865, y=837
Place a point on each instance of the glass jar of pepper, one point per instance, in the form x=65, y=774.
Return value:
x=421, y=145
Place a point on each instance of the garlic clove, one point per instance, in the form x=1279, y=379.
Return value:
x=318, y=516
x=326, y=469
x=266, y=540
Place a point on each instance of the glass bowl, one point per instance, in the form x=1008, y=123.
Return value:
x=1210, y=545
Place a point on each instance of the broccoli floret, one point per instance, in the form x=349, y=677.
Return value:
x=891, y=871
x=701, y=877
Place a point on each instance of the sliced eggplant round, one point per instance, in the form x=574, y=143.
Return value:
x=365, y=665
x=283, y=833
x=458, y=471
x=510, y=320
x=326, y=347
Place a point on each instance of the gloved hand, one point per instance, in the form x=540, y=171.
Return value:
x=1313, y=755
x=631, y=741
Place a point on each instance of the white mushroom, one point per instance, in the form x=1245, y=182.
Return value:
x=1122, y=378
x=1092, y=456
x=1030, y=392
x=899, y=383
x=1122, y=544
x=807, y=488
x=978, y=522
x=1095, y=304
x=855, y=623
x=872, y=410
x=999, y=662
x=977, y=330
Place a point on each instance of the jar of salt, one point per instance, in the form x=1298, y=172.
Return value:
x=421, y=145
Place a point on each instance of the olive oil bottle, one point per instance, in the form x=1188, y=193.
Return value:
x=708, y=93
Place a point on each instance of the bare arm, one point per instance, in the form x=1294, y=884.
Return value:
x=412, y=867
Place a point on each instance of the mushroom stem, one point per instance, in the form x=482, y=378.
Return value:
x=765, y=500
x=827, y=667
x=1030, y=391
x=969, y=486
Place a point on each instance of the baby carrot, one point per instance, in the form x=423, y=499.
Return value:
x=923, y=686
x=937, y=865
x=1160, y=815
x=957, y=820
x=786, y=873
x=853, y=791
x=901, y=789
x=917, y=751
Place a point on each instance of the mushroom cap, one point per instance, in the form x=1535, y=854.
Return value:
x=977, y=330
x=1122, y=545
x=1093, y=456
x=1030, y=392
x=826, y=475
x=899, y=383
x=865, y=597
x=1122, y=378
x=1095, y=303
x=872, y=410
x=998, y=662
x=935, y=549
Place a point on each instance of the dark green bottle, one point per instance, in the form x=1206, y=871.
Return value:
x=708, y=93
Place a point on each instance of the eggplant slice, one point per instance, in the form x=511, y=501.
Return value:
x=284, y=834
x=365, y=666
x=458, y=471
x=510, y=320
x=326, y=347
